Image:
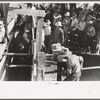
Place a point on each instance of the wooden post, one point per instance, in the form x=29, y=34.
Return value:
x=41, y=66
x=39, y=35
x=33, y=74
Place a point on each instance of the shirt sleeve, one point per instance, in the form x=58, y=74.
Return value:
x=93, y=31
x=62, y=35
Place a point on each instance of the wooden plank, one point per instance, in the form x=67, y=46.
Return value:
x=39, y=35
x=10, y=26
x=17, y=54
x=91, y=68
x=41, y=66
x=39, y=13
x=49, y=55
x=18, y=65
x=51, y=62
x=2, y=67
x=33, y=74
x=3, y=76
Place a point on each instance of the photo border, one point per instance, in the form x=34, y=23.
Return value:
x=48, y=90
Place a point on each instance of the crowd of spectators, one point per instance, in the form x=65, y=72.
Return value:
x=71, y=24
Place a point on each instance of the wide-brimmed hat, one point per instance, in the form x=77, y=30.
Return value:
x=67, y=14
x=56, y=47
x=48, y=22
x=58, y=24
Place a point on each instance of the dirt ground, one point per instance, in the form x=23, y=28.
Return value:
x=51, y=70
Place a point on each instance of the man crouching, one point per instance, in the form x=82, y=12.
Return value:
x=72, y=64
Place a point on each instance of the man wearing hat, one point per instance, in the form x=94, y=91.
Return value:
x=66, y=24
x=47, y=32
x=58, y=33
x=61, y=61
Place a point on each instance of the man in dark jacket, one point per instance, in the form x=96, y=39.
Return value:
x=58, y=34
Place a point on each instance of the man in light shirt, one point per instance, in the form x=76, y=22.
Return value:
x=72, y=64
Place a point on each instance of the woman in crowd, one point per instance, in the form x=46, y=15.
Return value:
x=74, y=23
x=91, y=32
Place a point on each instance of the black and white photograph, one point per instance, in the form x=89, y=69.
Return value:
x=54, y=42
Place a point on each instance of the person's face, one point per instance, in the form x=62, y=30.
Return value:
x=74, y=16
x=25, y=35
x=83, y=19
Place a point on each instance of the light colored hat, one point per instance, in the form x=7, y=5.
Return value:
x=56, y=47
x=90, y=22
x=48, y=22
x=58, y=24
x=67, y=14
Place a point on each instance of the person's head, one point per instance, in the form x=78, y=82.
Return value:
x=67, y=52
x=25, y=35
x=58, y=24
x=83, y=18
x=67, y=14
x=74, y=15
x=48, y=22
x=26, y=29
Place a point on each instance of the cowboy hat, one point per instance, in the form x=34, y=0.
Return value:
x=56, y=47
x=58, y=24
x=67, y=14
